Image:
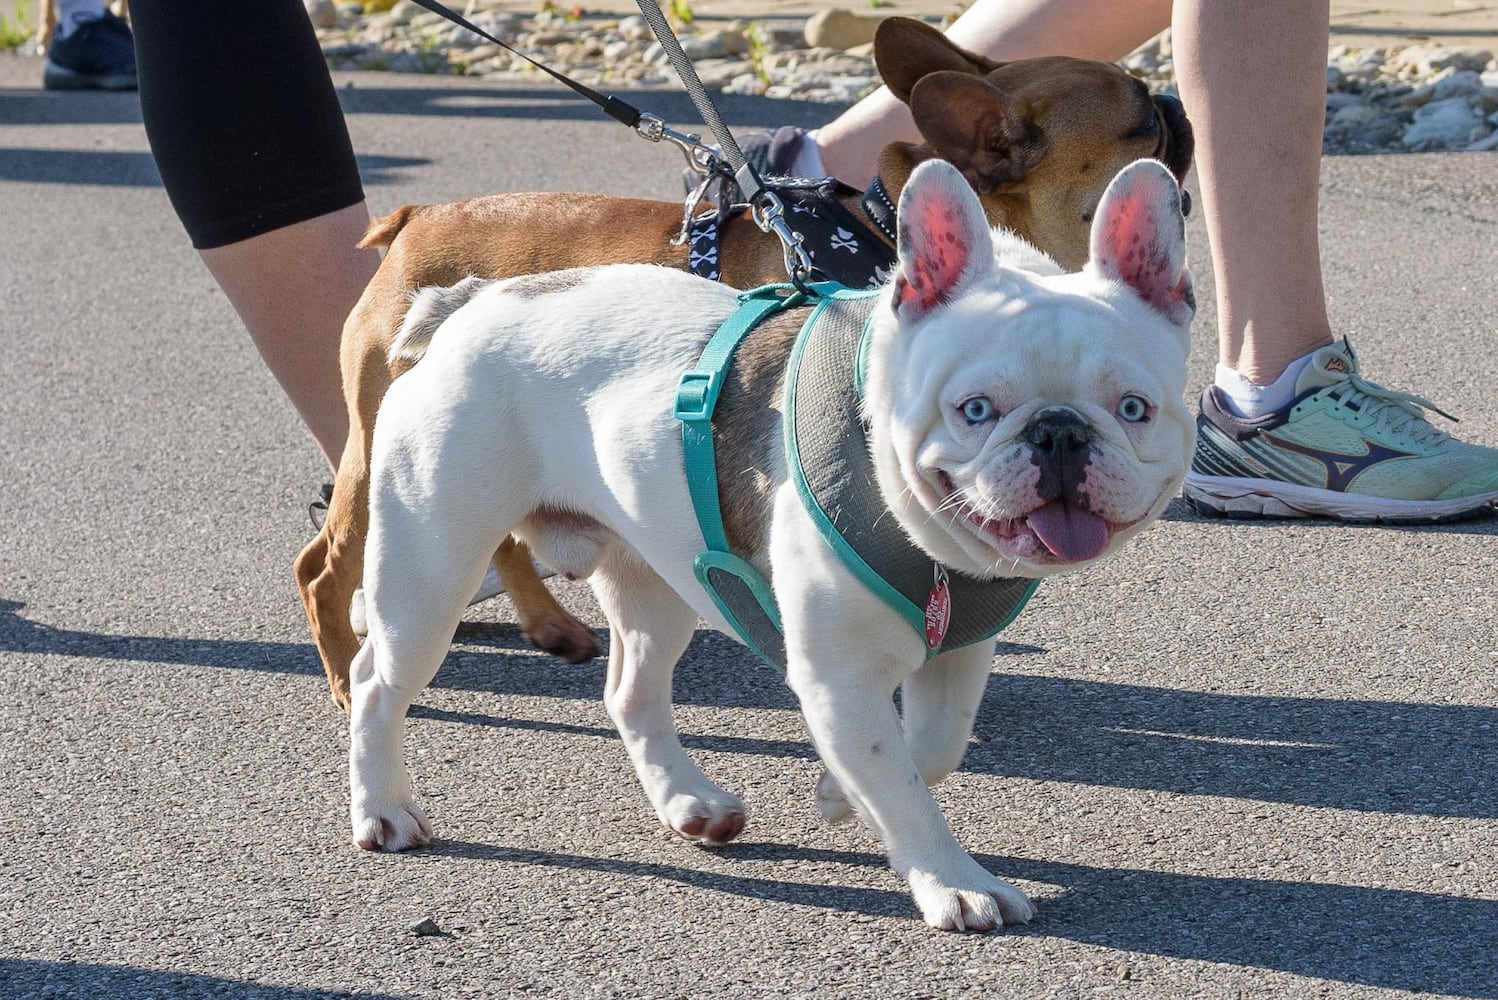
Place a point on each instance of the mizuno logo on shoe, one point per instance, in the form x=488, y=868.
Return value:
x=1341, y=469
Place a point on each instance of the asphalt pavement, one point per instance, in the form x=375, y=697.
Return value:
x=1240, y=760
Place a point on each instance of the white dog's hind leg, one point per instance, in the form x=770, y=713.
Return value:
x=650, y=627
x=382, y=808
x=939, y=703
x=423, y=564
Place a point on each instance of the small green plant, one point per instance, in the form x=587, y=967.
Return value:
x=759, y=49
x=14, y=34
x=554, y=9
x=681, y=12
x=876, y=4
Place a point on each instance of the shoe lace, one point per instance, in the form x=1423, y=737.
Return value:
x=1397, y=413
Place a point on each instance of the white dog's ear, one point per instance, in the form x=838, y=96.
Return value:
x=944, y=239
x=1139, y=238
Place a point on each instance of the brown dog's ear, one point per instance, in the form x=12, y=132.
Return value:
x=974, y=126
x=906, y=50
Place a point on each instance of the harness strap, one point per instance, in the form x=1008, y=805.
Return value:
x=697, y=397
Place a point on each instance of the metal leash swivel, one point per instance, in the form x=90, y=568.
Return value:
x=768, y=213
x=700, y=158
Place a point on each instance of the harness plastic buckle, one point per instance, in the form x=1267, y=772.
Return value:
x=697, y=396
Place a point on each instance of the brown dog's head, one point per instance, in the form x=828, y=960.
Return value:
x=1038, y=139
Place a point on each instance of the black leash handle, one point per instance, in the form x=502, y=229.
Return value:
x=620, y=111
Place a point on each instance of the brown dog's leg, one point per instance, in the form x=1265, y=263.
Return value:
x=545, y=622
x=328, y=571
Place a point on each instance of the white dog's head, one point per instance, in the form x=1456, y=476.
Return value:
x=1025, y=421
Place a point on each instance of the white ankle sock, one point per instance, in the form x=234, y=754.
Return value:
x=71, y=12
x=1247, y=399
x=808, y=158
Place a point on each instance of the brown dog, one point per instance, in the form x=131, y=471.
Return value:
x=1038, y=139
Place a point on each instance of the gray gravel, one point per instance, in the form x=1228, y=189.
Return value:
x=1410, y=97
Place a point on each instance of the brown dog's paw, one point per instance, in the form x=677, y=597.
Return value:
x=564, y=638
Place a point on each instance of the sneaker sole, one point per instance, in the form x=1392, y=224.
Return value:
x=59, y=78
x=1219, y=496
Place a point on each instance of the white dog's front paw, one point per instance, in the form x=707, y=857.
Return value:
x=714, y=818
x=392, y=825
x=976, y=901
x=831, y=801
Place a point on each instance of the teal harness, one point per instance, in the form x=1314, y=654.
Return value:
x=827, y=447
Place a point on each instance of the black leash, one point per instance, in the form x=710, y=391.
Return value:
x=767, y=210
x=647, y=126
x=620, y=111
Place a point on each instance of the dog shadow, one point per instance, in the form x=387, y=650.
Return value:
x=1397, y=758
x=1317, y=929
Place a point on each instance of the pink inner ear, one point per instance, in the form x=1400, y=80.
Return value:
x=939, y=256
x=1137, y=251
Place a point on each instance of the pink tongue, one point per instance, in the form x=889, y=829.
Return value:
x=1070, y=532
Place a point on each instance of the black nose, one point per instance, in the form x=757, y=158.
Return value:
x=1060, y=446
x=1177, y=141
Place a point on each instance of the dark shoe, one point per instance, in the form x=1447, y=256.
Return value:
x=98, y=54
x=317, y=510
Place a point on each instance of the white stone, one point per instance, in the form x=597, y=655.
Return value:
x=1356, y=114
x=1442, y=125
x=1486, y=145
x=835, y=28
x=1464, y=58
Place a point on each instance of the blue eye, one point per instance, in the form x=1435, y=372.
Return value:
x=978, y=410
x=1134, y=409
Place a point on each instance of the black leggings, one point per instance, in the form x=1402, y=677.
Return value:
x=241, y=115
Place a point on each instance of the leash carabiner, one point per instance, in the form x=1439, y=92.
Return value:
x=768, y=213
x=700, y=158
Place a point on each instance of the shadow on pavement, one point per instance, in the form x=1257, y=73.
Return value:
x=1390, y=938
x=121, y=168
x=24, y=978
x=1398, y=758
x=432, y=97
x=1341, y=933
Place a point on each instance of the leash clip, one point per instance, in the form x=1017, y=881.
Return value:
x=701, y=159
x=768, y=213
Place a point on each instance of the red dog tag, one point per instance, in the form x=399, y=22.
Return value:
x=938, y=609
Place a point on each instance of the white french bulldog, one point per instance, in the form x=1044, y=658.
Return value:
x=1021, y=421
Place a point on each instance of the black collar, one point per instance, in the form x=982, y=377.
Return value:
x=880, y=209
